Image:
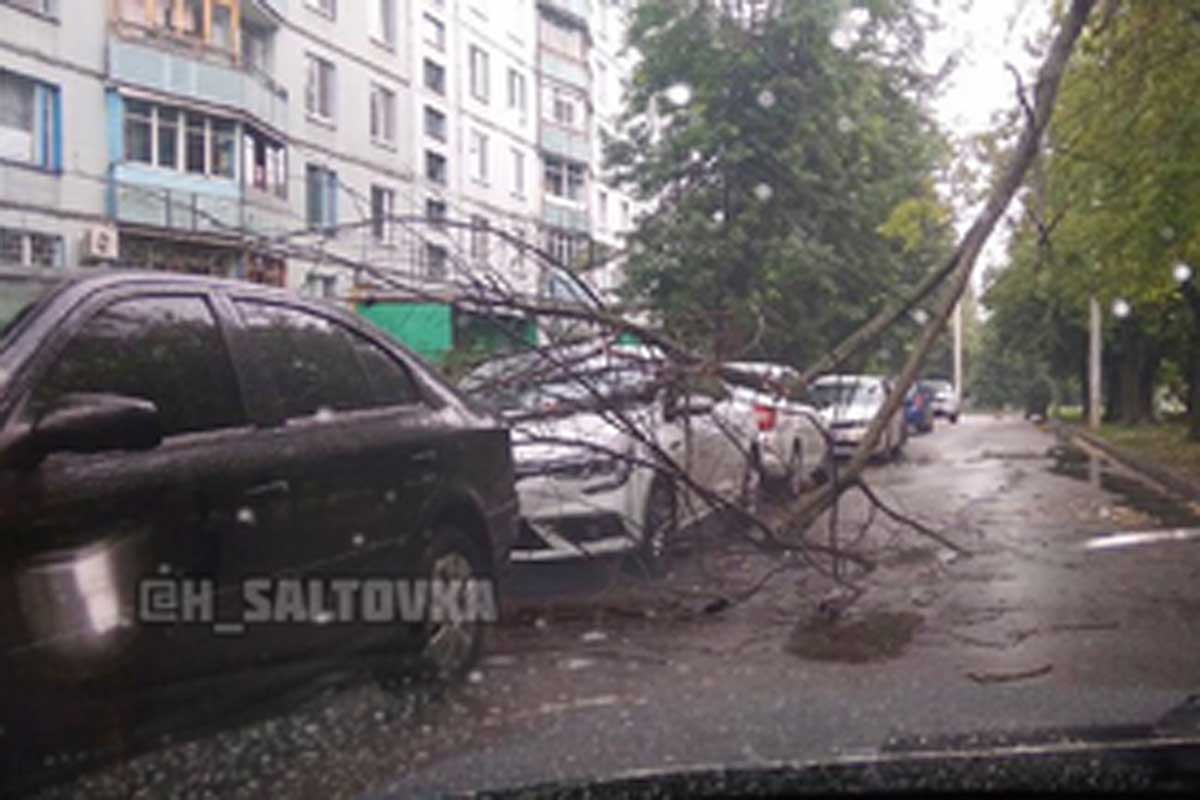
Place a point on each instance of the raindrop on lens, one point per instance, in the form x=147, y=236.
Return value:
x=679, y=94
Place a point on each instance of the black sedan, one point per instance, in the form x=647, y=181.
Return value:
x=202, y=480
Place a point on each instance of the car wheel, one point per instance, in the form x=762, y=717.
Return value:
x=660, y=526
x=451, y=648
x=954, y=419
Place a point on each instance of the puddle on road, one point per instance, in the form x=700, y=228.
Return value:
x=1164, y=509
x=874, y=636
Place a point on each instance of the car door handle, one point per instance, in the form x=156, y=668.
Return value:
x=271, y=488
x=425, y=457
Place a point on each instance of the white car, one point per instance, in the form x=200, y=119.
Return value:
x=597, y=447
x=792, y=447
x=945, y=399
x=849, y=404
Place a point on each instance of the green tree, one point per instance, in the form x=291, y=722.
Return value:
x=794, y=186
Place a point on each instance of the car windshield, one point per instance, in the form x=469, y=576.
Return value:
x=846, y=394
x=596, y=397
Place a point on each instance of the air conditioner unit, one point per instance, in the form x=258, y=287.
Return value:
x=100, y=243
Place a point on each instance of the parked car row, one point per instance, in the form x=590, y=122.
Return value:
x=159, y=426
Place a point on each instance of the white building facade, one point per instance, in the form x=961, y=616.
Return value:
x=273, y=140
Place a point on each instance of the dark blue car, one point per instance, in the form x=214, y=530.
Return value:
x=918, y=408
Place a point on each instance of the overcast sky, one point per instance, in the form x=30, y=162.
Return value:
x=983, y=35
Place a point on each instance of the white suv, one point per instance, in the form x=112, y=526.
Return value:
x=598, y=449
x=792, y=446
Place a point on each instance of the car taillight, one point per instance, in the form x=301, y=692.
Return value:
x=764, y=416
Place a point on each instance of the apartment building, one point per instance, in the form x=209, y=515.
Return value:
x=274, y=140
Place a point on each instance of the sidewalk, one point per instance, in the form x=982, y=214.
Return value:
x=1177, y=478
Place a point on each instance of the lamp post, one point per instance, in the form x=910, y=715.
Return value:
x=1183, y=275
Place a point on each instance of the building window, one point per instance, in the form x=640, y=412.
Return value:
x=566, y=248
x=435, y=77
x=435, y=258
x=435, y=33
x=383, y=114
x=479, y=156
x=435, y=211
x=195, y=144
x=568, y=41
x=435, y=124
x=256, y=48
x=435, y=167
x=479, y=70
x=47, y=8
x=266, y=163
x=563, y=109
x=564, y=179
x=326, y=7
x=168, y=138
x=30, y=249
x=625, y=220
x=518, y=160
x=516, y=91
x=322, y=187
x=479, y=237
x=602, y=210
x=383, y=21
x=30, y=115
x=210, y=22
x=224, y=149
x=319, y=90
x=383, y=207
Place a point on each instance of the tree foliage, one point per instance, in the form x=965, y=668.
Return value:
x=794, y=189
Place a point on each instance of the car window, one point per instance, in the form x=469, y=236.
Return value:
x=166, y=349
x=391, y=381
x=310, y=358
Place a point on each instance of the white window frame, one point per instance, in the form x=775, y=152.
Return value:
x=479, y=66
x=383, y=22
x=385, y=99
x=435, y=33
x=517, y=95
x=518, y=160
x=383, y=230
x=319, y=68
x=479, y=156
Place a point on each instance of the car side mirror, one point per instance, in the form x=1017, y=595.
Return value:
x=93, y=423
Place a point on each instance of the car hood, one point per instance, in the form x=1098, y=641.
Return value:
x=572, y=436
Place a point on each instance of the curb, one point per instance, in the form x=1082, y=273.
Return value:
x=1188, y=488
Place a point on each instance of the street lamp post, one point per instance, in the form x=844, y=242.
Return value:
x=1095, y=344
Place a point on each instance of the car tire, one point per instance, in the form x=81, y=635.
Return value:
x=446, y=650
x=954, y=419
x=660, y=526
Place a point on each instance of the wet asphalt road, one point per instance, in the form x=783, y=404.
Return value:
x=598, y=674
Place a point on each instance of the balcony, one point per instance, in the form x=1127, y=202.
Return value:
x=573, y=73
x=566, y=143
x=225, y=213
x=576, y=12
x=557, y=215
x=198, y=72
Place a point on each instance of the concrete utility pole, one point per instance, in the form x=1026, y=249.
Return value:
x=1094, y=353
x=958, y=359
